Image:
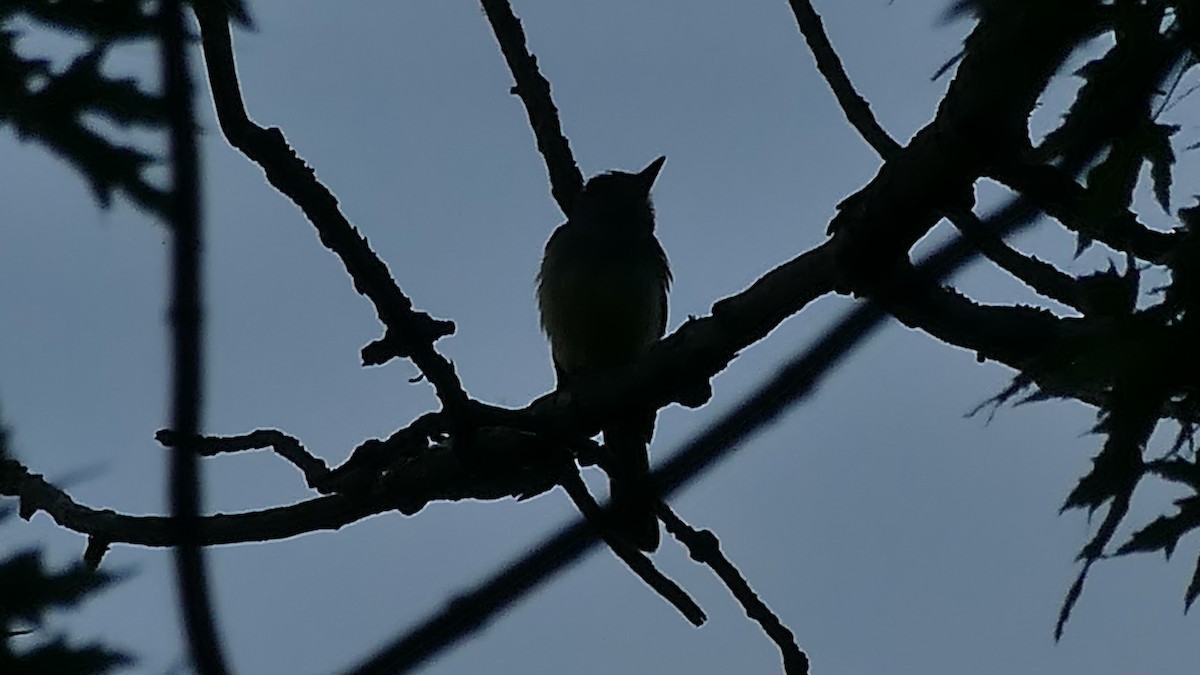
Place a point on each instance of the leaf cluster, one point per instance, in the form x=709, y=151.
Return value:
x=52, y=106
x=1138, y=363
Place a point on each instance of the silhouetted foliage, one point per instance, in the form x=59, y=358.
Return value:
x=52, y=107
x=1139, y=366
x=57, y=107
x=28, y=592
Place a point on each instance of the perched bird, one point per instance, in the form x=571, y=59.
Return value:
x=602, y=295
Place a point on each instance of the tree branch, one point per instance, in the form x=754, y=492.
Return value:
x=419, y=463
x=705, y=548
x=472, y=610
x=935, y=173
x=409, y=333
x=857, y=110
x=1054, y=191
x=288, y=447
x=510, y=464
x=634, y=559
x=1042, y=277
x=566, y=181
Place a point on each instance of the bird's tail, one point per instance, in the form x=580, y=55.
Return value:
x=633, y=506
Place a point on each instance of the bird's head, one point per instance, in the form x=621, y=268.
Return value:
x=621, y=200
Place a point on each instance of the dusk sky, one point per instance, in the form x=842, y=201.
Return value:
x=889, y=532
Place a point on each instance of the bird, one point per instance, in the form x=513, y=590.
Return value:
x=602, y=298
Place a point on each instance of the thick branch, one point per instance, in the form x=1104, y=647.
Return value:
x=687, y=359
x=981, y=121
x=403, y=472
x=1040, y=276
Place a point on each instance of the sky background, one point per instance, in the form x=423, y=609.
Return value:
x=888, y=531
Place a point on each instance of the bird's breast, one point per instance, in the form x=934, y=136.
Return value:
x=602, y=311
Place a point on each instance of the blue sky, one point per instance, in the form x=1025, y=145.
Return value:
x=888, y=531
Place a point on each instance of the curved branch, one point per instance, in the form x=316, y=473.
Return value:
x=510, y=464
x=857, y=110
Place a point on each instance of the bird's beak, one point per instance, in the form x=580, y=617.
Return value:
x=649, y=173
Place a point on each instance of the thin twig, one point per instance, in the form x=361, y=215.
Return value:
x=288, y=447
x=705, y=548
x=409, y=333
x=1054, y=190
x=510, y=464
x=566, y=181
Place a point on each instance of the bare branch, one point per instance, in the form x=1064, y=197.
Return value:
x=637, y=561
x=404, y=472
x=1042, y=277
x=705, y=548
x=419, y=464
x=409, y=333
x=471, y=611
x=288, y=447
x=105, y=526
x=566, y=181
x=509, y=464
x=857, y=110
